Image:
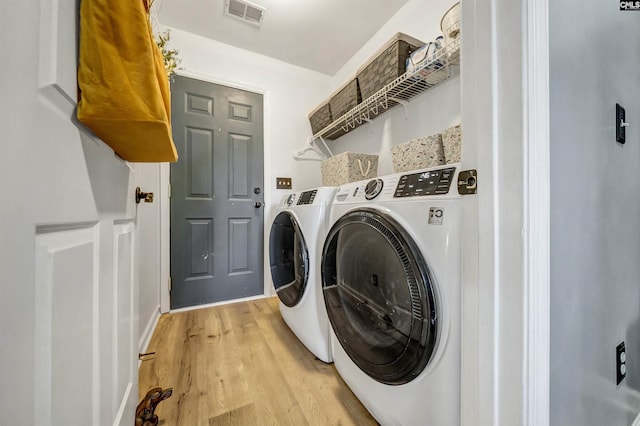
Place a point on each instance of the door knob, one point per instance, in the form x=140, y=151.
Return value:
x=146, y=196
x=257, y=205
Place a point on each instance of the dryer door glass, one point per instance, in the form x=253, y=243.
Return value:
x=288, y=258
x=379, y=296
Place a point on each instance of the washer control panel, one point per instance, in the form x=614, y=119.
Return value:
x=433, y=182
x=307, y=197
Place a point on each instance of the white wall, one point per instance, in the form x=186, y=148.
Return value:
x=595, y=206
x=428, y=113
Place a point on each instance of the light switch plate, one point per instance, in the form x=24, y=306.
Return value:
x=283, y=183
x=621, y=133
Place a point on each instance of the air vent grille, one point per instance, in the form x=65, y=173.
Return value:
x=236, y=8
x=247, y=11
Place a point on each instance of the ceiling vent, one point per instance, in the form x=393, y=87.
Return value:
x=245, y=10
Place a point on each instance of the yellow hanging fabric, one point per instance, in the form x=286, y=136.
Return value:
x=124, y=92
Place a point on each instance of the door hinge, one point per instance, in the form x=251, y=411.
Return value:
x=169, y=190
x=468, y=182
x=169, y=284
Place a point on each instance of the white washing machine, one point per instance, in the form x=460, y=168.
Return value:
x=295, y=245
x=391, y=271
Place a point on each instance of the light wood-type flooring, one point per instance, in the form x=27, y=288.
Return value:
x=239, y=364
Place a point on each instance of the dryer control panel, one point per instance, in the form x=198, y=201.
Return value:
x=307, y=197
x=432, y=182
x=290, y=199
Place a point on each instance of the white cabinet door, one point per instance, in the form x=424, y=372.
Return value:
x=68, y=301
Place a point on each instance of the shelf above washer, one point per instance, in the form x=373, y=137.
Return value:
x=440, y=67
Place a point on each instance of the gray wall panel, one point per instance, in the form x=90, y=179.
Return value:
x=595, y=205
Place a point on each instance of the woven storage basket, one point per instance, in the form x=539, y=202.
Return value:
x=320, y=117
x=452, y=144
x=337, y=131
x=450, y=26
x=348, y=167
x=345, y=98
x=387, y=64
x=418, y=154
x=341, y=101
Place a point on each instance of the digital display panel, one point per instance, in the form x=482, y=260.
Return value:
x=432, y=182
x=307, y=197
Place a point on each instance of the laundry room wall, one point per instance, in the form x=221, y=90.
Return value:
x=290, y=93
x=428, y=113
x=595, y=206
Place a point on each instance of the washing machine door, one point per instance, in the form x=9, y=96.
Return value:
x=288, y=258
x=379, y=296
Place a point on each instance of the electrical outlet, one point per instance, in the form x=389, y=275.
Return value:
x=621, y=363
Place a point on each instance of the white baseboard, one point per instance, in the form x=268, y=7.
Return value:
x=636, y=422
x=145, y=337
x=226, y=302
x=126, y=411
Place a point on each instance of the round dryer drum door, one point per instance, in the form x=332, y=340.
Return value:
x=379, y=296
x=288, y=258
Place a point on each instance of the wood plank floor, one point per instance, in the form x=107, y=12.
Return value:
x=239, y=364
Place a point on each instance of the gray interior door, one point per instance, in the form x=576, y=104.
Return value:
x=216, y=193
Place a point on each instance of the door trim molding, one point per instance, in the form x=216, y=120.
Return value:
x=537, y=211
x=165, y=237
x=165, y=202
x=147, y=333
x=505, y=361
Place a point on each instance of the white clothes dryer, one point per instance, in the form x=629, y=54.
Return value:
x=295, y=244
x=391, y=271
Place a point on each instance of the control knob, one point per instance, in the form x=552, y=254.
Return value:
x=373, y=189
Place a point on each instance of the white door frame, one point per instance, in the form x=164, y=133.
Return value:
x=538, y=220
x=505, y=359
x=165, y=202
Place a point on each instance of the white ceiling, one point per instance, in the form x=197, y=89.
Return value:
x=316, y=34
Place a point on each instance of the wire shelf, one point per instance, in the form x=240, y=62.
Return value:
x=440, y=67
